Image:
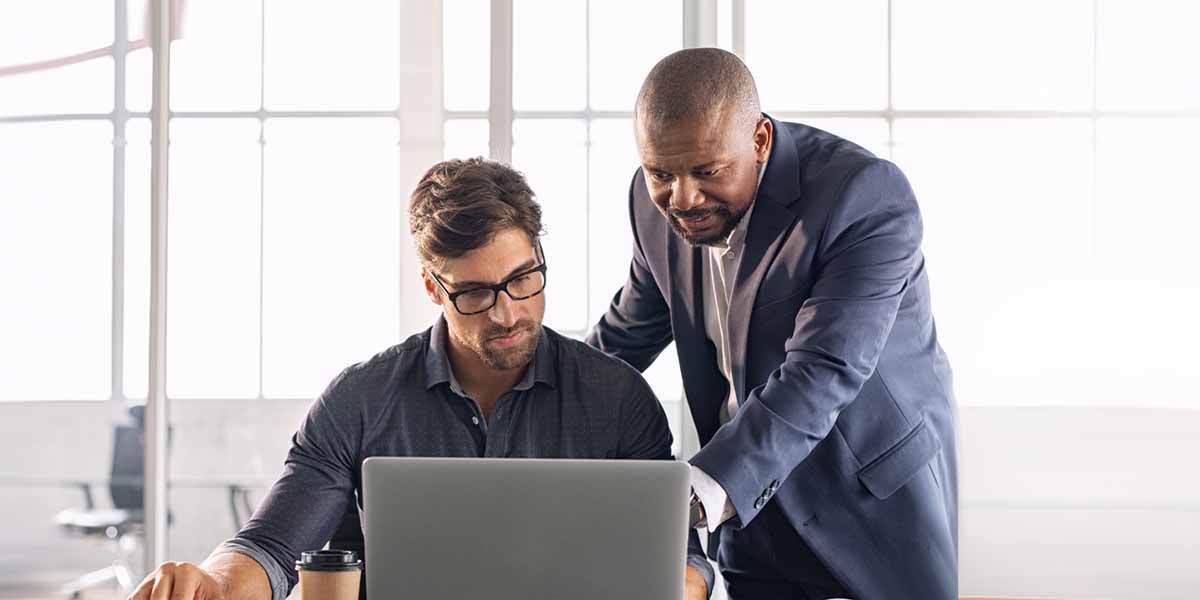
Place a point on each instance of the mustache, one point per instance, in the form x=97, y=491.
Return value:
x=499, y=332
x=697, y=213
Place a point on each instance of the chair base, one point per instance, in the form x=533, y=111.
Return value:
x=116, y=573
x=119, y=572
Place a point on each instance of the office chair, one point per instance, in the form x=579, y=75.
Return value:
x=121, y=527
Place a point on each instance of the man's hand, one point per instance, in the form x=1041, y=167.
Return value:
x=178, y=580
x=694, y=587
x=222, y=576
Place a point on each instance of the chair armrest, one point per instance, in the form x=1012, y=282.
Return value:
x=239, y=495
x=89, y=501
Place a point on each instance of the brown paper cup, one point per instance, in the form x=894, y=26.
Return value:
x=329, y=575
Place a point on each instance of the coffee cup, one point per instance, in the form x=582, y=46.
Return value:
x=329, y=575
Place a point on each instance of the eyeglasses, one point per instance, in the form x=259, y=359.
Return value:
x=522, y=286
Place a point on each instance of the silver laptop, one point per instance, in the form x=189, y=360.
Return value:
x=509, y=529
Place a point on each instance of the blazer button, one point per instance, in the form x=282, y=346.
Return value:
x=774, y=485
x=759, y=503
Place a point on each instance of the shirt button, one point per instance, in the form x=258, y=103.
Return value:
x=474, y=420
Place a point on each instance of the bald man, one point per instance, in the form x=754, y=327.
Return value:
x=785, y=263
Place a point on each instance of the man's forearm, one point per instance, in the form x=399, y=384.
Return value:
x=240, y=577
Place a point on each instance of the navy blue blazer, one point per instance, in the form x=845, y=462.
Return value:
x=846, y=416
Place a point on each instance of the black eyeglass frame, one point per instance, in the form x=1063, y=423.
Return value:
x=496, y=289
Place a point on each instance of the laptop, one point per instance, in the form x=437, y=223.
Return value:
x=513, y=528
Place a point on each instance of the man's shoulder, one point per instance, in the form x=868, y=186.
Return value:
x=591, y=366
x=387, y=367
x=822, y=154
x=830, y=166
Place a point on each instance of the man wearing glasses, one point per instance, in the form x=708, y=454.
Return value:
x=486, y=380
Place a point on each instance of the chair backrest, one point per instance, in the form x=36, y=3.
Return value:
x=128, y=466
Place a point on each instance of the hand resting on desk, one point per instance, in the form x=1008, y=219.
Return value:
x=224, y=576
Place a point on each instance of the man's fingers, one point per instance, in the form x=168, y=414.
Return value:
x=175, y=581
x=143, y=589
x=163, y=582
x=187, y=580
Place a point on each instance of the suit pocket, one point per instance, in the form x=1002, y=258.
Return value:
x=888, y=473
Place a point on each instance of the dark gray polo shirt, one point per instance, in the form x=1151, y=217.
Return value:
x=572, y=402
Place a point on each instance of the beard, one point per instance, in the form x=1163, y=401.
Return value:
x=727, y=222
x=505, y=359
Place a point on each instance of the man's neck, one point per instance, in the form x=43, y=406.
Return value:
x=481, y=382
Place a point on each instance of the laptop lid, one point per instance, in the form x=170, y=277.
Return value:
x=509, y=529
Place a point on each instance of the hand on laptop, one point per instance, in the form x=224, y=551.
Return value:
x=694, y=586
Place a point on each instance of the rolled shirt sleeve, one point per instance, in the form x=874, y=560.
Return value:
x=305, y=505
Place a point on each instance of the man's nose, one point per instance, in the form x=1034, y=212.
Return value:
x=685, y=194
x=504, y=312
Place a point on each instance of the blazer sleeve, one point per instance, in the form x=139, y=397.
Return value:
x=869, y=246
x=637, y=325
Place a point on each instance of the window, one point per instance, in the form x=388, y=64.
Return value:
x=569, y=129
x=57, y=232
x=1049, y=172
x=288, y=169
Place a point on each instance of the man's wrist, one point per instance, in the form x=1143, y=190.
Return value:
x=696, y=516
x=713, y=499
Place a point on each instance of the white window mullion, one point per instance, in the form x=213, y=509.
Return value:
x=1092, y=217
x=156, y=402
x=500, y=107
x=422, y=116
x=587, y=155
x=699, y=23
x=262, y=181
x=120, y=116
x=738, y=24
x=890, y=109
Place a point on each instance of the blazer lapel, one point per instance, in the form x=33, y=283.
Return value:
x=703, y=383
x=683, y=262
x=769, y=223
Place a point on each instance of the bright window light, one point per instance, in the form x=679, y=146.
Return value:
x=56, y=260
x=549, y=49
x=213, y=253
x=331, y=231
x=316, y=58
x=1016, y=55
x=553, y=156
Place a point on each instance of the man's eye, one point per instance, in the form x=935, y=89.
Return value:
x=707, y=172
x=477, y=293
x=661, y=176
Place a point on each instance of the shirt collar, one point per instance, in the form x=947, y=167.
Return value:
x=438, y=370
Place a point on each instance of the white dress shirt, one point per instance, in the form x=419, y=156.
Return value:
x=720, y=273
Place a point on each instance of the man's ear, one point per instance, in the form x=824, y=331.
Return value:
x=762, y=140
x=431, y=287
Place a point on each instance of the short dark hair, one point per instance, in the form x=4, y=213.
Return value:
x=460, y=205
x=693, y=83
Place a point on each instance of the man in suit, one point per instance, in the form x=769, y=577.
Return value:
x=785, y=263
